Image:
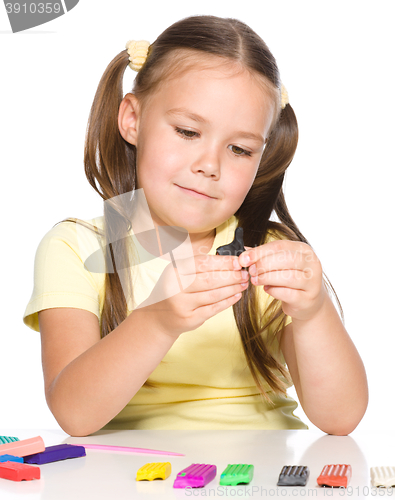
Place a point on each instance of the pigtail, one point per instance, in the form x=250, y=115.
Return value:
x=265, y=197
x=109, y=161
x=110, y=167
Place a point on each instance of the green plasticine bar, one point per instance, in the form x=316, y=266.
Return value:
x=235, y=474
x=7, y=439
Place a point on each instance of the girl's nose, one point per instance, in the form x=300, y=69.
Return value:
x=208, y=163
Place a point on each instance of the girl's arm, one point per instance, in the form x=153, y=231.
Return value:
x=324, y=364
x=89, y=380
x=327, y=371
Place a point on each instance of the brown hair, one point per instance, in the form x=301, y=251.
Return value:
x=110, y=166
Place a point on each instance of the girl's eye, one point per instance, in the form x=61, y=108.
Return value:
x=190, y=134
x=186, y=134
x=239, y=151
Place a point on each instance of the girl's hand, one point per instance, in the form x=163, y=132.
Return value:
x=213, y=282
x=289, y=271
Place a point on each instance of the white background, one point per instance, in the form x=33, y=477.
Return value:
x=336, y=60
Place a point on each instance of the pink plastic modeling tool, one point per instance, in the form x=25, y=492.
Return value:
x=127, y=449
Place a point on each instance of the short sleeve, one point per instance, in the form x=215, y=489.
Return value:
x=60, y=277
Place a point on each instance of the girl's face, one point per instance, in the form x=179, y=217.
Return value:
x=203, y=131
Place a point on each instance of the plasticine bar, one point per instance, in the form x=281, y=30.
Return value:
x=7, y=439
x=195, y=476
x=383, y=476
x=19, y=472
x=56, y=453
x=335, y=475
x=293, y=475
x=237, y=473
x=24, y=447
x=10, y=458
x=157, y=470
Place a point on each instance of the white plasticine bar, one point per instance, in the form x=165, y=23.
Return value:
x=383, y=476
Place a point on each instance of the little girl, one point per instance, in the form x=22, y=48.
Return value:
x=148, y=338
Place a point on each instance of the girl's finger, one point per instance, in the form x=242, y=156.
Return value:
x=289, y=278
x=210, y=297
x=288, y=296
x=204, y=263
x=282, y=261
x=280, y=249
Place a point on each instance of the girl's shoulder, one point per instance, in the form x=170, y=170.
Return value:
x=73, y=224
x=74, y=231
x=71, y=238
x=278, y=231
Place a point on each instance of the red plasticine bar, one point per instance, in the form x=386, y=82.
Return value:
x=24, y=447
x=19, y=472
x=335, y=475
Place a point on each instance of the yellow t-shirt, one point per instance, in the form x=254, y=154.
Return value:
x=203, y=382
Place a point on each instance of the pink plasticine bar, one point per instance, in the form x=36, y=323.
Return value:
x=195, y=476
x=127, y=449
x=24, y=447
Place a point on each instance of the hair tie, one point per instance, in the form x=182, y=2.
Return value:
x=284, y=97
x=138, y=51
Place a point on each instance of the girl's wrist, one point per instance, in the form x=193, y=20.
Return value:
x=320, y=312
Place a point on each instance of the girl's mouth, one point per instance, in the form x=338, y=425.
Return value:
x=195, y=194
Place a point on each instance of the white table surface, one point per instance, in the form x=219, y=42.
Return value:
x=112, y=476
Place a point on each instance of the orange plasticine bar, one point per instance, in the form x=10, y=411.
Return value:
x=24, y=447
x=19, y=472
x=335, y=475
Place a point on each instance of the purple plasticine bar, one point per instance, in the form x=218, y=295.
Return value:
x=24, y=447
x=56, y=453
x=195, y=476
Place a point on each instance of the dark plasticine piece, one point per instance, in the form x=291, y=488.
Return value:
x=293, y=475
x=234, y=248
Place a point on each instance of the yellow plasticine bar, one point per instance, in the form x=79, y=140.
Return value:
x=24, y=447
x=157, y=470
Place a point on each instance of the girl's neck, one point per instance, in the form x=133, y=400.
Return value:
x=202, y=243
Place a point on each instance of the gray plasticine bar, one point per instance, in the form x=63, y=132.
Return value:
x=293, y=475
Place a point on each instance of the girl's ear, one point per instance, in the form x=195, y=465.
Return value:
x=129, y=118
